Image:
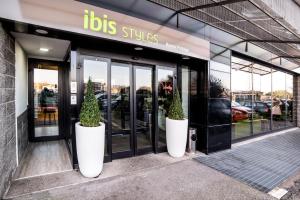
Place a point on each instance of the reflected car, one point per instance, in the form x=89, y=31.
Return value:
x=260, y=107
x=239, y=114
x=236, y=105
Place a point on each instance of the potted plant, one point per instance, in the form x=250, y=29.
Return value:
x=90, y=136
x=176, y=128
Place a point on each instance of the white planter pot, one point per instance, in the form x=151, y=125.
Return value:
x=90, y=149
x=176, y=136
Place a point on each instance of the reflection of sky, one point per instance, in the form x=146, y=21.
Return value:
x=45, y=76
x=241, y=81
x=163, y=74
x=97, y=70
x=119, y=75
x=143, y=78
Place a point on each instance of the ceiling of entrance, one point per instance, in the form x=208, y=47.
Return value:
x=32, y=44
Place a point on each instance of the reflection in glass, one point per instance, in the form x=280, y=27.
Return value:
x=165, y=94
x=143, y=92
x=290, y=100
x=185, y=90
x=120, y=107
x=97, y=71
x=279, y=104
x=46, y=102
x=262, y=99
x=241, y=81
x=219, y=84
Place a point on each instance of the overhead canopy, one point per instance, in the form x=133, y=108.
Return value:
x=250, y=20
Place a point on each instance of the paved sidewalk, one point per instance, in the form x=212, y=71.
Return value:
x=263, y=164
x=186, y=180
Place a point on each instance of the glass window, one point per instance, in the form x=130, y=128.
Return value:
x=241, y=86
x=96, y=70
x=185, y=90
x=220, y=54
x=279, y=104
x=269, y=104
x=120, y=107
x=165, y=94
x=219, y=84
x=262, y=99
x=290, y=100
x=143, y=107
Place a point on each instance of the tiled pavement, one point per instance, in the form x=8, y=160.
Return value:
x=262, y=164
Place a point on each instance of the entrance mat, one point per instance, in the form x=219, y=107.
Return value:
x=263, y=164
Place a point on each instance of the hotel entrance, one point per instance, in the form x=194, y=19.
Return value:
x=125, y=95
x=133, y=99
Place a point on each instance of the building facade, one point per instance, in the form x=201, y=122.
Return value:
x=235, y=84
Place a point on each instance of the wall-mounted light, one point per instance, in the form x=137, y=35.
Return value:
x=138, y=48
x=41, y=31
x=44, y=49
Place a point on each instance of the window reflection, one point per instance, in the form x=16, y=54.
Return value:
x=120, y=107
x=143, y=87
x=46, y=101
x=97, y=71
x=290, y=100
x=261, y=96
x=241, y=105
x=262, y=99
x=165, y=94
x=219, y=84
x=279, y=104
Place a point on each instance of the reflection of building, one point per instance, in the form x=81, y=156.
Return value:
x=98, y=86
x=243, y=96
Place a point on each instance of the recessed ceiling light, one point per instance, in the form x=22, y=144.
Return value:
x=138, y=48
x=44, y=49
x=41, y=31
x=185, y=57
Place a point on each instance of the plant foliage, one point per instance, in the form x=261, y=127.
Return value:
x=90, y=112
x=175, y=109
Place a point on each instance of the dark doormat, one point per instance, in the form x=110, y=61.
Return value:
x=262, y=164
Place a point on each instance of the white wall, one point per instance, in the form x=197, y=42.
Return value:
x=21, y=80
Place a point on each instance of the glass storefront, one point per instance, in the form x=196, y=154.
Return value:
x=262, y=99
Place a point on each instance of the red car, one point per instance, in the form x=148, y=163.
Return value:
x=239, y=114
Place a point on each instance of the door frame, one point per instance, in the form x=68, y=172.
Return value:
x=32, y=62
x=133, y=141
x=152, y=148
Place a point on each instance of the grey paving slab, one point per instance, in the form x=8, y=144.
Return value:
x=186, y=180
x=262, y=164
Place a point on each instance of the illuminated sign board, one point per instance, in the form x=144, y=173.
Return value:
x=86, y=19
x=109, y=26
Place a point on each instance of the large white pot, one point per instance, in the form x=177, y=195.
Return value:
x=176, y=136
x=90, y=149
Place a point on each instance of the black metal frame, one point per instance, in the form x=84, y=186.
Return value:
x=32, y=63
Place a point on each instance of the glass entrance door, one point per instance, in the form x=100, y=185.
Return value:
x=143, y=109
x=121, y=109
x=131, y=109
x=45, y=101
